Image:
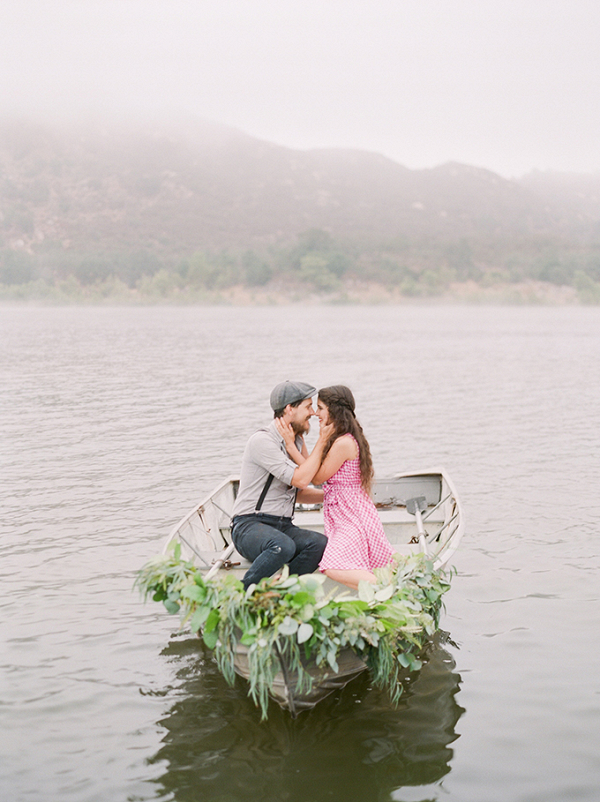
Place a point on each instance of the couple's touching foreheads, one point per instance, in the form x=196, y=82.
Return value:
x=278, y=470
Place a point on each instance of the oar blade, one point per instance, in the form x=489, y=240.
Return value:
x=418, y=503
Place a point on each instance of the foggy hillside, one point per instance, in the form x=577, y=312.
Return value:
x=208, y=186
x=166, y=193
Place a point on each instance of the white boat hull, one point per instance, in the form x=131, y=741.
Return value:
x=325, y=679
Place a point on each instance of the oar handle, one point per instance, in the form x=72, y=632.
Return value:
x=219, y=562
x=421, y=531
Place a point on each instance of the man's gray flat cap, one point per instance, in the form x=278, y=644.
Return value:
x=289, y=392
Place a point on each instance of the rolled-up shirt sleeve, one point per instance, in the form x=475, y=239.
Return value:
x=270, y=456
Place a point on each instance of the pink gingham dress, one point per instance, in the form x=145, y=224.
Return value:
x=355, y=536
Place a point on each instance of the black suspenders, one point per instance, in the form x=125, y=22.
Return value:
x=265, y=490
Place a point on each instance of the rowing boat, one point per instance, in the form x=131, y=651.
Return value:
x=420, y=512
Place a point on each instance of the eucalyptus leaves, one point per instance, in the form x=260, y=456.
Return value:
x=294, y=619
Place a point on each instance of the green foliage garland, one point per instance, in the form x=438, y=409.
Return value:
x=385, y=624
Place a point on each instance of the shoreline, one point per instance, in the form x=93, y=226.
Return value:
x=355, y=293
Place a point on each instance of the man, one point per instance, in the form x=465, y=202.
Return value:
x=262, y=528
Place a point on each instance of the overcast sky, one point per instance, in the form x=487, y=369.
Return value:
x=509, y=85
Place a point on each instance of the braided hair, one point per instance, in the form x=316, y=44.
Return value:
x=340, y=404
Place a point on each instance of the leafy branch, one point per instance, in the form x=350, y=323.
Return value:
x=385, y=624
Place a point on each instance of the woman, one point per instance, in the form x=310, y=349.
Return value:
x=356, y=541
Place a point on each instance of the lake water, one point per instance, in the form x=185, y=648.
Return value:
x=116, y=421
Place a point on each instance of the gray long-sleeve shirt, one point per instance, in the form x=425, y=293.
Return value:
x=265, y=454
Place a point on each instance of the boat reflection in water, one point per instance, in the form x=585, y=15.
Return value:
x=353, y=745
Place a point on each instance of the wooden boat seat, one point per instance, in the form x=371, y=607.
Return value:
x=313, y=519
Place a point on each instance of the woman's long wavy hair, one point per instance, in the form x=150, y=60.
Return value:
x=341, y=405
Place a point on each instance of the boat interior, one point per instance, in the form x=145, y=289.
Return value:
x=205, y=532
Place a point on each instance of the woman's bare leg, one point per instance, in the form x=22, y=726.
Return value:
x=352, y=577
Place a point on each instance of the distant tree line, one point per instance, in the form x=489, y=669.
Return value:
x=315, y=262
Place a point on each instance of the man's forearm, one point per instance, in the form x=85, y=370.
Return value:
x=311, y=495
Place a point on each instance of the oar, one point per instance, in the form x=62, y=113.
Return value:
x=225, y=555
x=416, y=506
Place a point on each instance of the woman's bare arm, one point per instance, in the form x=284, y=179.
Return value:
x=289, y=438
x=307, y=467
x=343, y=449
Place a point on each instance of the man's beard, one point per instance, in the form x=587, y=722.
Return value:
x=301, y=428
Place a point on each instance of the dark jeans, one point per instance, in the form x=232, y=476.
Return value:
x=270, y=542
